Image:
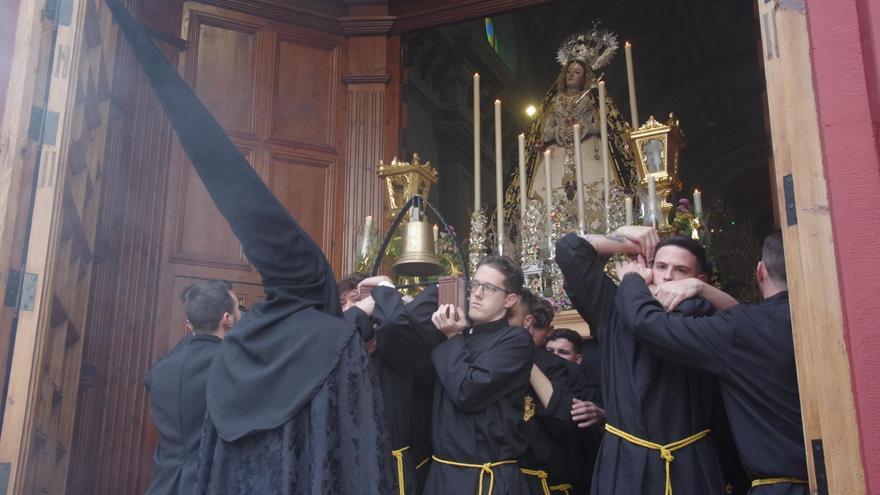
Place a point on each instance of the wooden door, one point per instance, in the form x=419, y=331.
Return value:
x=830, y=428
x=277, y=91
x=47, y=348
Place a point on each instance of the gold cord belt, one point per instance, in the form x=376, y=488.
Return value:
x=484, y=469
x=665, y=450
x=398, y=454
x=563, y=488
x=775, y=481
x=541, y=475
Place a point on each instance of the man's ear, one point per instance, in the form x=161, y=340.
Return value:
x=510, y=300
x=528, y=321
x=760, y=272
x=703, y=277
x=226, y=321
x=579, y=358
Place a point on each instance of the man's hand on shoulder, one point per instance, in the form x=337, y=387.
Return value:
x=637, y=266
x=671, y=294
x=450, y=320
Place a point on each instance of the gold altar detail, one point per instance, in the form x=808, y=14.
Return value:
x=405, y=179
x=656, y=148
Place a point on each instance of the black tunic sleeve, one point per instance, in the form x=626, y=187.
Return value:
x=590, y=290
x=357, y=317
x=474, y=382
x=705, y=342
x=395, y=341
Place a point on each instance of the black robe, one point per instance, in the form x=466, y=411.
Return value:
x=478, y=404
x=292, y=404
x=553, y=437
x=398, y=348
x=419, y=312
x=644, y=395
x=177, y=401
x=749, y=348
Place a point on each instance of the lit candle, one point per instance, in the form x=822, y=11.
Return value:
x=436, y=238
x=499, y=182
x=579, y=176
x=630, y=77
x=603, y=132
x=523, y=194
x=698, y=203
x=652, y=200
x=368, y=231
x=628, y=205
x=548, y=202
x=476, y=142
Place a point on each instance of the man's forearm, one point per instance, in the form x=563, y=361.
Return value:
x=542, y=386
x=611, y=244
x=719, y=299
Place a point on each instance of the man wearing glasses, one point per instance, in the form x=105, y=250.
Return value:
x=483, y=372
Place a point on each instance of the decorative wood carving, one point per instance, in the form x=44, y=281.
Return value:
x=46, y=361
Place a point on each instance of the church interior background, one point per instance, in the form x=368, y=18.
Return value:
x=315, y=93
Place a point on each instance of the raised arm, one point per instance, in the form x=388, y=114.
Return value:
x=475, y=382
x=289, y=262
x=701, y=342
x=590, y=290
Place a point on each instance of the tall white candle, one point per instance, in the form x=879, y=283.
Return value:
x=523, y=194
x=476, y=142
x=603, y=133
x=631, y=79
x=499, y=179
x=698, y=203
x=628, y=205
x=652, y=200
x=436, y=239
x=548, y=201
x=579, y=176
x=368, y=231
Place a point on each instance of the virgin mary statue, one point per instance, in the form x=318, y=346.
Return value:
x=573, y=99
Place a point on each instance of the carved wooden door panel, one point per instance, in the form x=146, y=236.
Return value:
x=71, y=132
x=277, y=91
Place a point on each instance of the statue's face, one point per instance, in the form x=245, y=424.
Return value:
x=575, y=76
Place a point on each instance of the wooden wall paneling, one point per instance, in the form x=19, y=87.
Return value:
x=112, y=451
x=823, y=366
x=42, y=395
x=372, y=82
x=304, y=92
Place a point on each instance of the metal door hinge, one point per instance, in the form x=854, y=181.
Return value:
x=819, y=466
x=790, y=205
x=21, y=290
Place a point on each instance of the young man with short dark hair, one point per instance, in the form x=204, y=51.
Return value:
x=657, y=412
x=482, y=372
x=565, y=343
x=749, y=348
x=177, y=386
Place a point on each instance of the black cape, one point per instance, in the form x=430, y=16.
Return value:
x=644, y=395
x=749, y=347
x=478, y=404
x=177, y=402
x=292, y=403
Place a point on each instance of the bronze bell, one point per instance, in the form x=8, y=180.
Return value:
x=418, y=257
